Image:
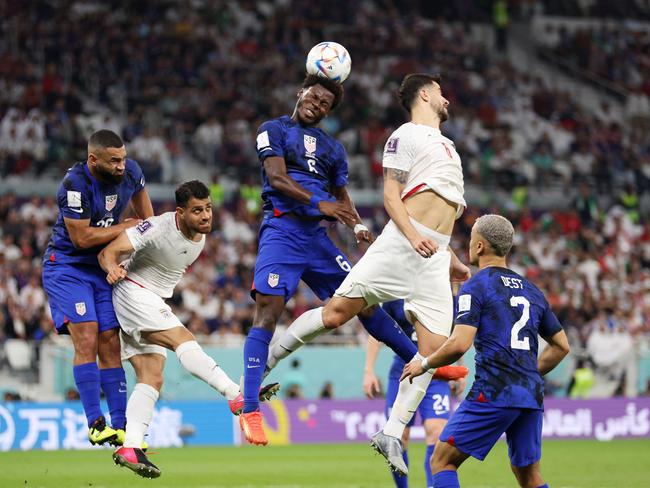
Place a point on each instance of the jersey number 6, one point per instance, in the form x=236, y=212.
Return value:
x=345, y=266
x=515, y=342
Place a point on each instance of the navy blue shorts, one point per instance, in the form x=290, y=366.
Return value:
x=78, y=293
x=291, y=250
x=434, y=405
x=475, y=427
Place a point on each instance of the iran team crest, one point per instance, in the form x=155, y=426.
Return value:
x=111, y=200
x=80, y=308
x=310, y=144
x=273, y=280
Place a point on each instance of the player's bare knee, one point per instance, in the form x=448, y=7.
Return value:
x=333, y=317
x=528, y=476
x=267, y=311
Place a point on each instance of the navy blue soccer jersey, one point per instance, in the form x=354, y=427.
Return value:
x=81, y=196
x=509, y=313
x=313, y=158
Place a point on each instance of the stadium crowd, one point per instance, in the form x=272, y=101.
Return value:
x=182, y=79
x=593, y=264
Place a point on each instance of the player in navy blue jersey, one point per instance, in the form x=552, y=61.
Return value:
x=435, y=407
x=91, y=200
x=305, y=174
x=502, y=313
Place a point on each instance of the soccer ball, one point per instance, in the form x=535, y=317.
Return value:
x=330, y=60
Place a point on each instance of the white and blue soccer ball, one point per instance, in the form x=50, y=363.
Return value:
x=329, y=60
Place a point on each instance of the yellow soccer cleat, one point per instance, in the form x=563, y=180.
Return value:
x=100, y=433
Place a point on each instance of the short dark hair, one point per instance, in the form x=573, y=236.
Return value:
x=331, y=86
x=190, y=189
x=411, y=85
x=105, y=138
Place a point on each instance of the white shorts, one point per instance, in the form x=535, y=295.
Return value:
x=391, y=269
x=140, y=310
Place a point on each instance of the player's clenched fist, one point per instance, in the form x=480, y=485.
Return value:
x=424, y=246
x=115, y=274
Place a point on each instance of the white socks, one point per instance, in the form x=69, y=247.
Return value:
x=408, y=399
x=139, y=411
x=194, y=359
x=304, y=329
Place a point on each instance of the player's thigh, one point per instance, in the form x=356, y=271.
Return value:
x=524, y=438
x=169, y=338
x=431, y=302
x=149, y=368
x=103, y=296
x=475, y=427
x=131, y=347
x=384, y=273
x=70, y=293
x=140, y=310
x=327, y=267
x=281, y=260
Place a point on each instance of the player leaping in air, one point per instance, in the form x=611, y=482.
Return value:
x=305, y=174
x=411, y=259
x=91, y=200
x=502, y=313
x=161, y=248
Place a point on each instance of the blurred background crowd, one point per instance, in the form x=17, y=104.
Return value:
x=186, y=83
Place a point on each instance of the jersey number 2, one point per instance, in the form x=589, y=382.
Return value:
x=515, y=342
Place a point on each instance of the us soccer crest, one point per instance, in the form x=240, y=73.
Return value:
x=80, y=308
x=310, y=144
x=273, y=280
x=111, y=200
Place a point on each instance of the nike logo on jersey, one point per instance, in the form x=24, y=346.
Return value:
x=183, y=252
x=77, y=210
x=461, y=314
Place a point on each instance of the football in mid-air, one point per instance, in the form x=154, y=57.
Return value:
x=330, y=60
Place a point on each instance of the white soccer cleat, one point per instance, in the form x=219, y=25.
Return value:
x=391, y=448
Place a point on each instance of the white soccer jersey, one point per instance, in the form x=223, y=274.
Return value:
x=162, y=254
x=430, y=159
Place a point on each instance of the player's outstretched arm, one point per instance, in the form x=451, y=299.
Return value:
x=276, y=172
x=555, y=352
x=84, y=236
x=451, y=351
x=361, y=232
x=109, y=258
x=394, y=182
x=370, y=381
x=141, y=204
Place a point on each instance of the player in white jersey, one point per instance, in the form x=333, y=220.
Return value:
x=161, y=248
x=411, y=259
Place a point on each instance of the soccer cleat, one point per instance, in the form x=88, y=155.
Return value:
x=450, y=373
x=119, y=440
x=136, y=460
x=266, y=393
x=100, y=433
x=391, y=448
x=251, y=425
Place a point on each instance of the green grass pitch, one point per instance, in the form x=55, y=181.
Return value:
x=564, y=464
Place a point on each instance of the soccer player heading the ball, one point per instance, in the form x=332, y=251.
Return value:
x=305, y=175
